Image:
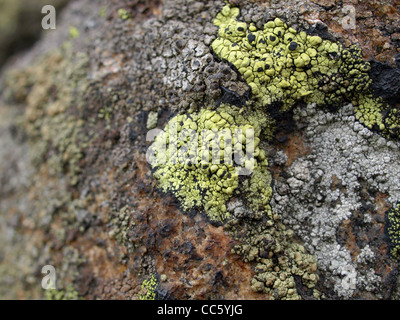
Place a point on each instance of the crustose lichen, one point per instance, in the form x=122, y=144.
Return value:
x=283, y=66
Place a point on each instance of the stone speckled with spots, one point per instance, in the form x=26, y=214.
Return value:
x=77, y=192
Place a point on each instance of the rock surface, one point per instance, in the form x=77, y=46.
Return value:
x=77, y=192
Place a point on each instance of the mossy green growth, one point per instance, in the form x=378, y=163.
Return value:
x=283, y=66
x=393, y=230
x=199, y=157
x=148, y=289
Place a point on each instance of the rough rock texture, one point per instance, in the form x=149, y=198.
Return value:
x=77, y=193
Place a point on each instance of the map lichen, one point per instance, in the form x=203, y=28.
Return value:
x=199, y=157
x=283, y=66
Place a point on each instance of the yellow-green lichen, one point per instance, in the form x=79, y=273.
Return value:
x=391, y=122
x=393, y=231
x=148, y=289
x=283, y=66
x=102, y=11
x=123, y=14
x=73, y=32
x=152, y=120
x=199, y=157
x=375, y=114
x=369, y=112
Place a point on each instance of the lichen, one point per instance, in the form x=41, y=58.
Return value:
x=121, y=224
x=102, y=11
x=391, y=121
x=148, y=289
x=200, y=156
x=283, y=66
x=51, y=89
x=67, y=294
x=47, y=121
x=393, y=230
x=279, y=258
x=123, y=14
x=73, y=32
x=152, y=120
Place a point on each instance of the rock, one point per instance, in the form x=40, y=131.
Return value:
x=20, y=24
x=77, y=191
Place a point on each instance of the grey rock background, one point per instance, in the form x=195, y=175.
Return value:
x=76, y=191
